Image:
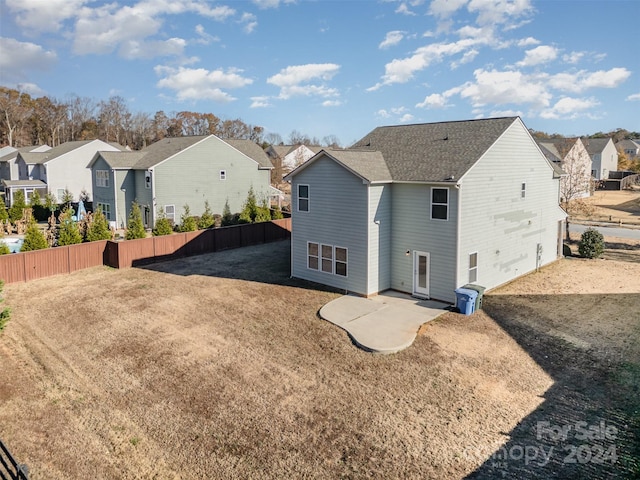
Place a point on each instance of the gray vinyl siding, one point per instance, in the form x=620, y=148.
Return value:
x=338, y=216
x=193, y=176
x=379, y=274
x=496, y=222
x=414, y=230
x=125, y=180
x=103, y=194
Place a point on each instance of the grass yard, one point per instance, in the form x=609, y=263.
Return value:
x=218, y=366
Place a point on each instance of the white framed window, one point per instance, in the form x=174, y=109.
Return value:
x=170, y=212
x=313, y=251
x=327, y=258
x=106, y=210
x=223, y=174
x=147, y=179
x=60, y=194
x=340, y=256
x=439, y=203
x=303, y=198
x=102, y=178
x=473, y=267
x=523, y=190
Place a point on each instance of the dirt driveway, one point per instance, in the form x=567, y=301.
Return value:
x=217, y=366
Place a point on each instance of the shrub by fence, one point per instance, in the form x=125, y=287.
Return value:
x=22, y=267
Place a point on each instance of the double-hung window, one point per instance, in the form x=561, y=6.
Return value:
x=303, y=198
x=102, y=178
x=106, y=210
x=473, y=267
x=440, y=203
x=170, y=212
x=327, y=258
x=523, y=190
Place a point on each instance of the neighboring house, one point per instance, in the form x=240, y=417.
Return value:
x=575, y=161
x=631, y=148
x=61, y=168
x=174, y=172
x=425, y=209
x=604, y=156
x=291, y=156
x=9, y=159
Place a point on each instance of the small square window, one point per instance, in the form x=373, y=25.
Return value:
x=341, y=261
x=523, y=190
x=223, y=174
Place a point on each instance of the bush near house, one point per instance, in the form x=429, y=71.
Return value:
x=98, y=228
x=17, y=206
x=68, y=232
x=33, y=239
x=163, y=227
x=591, y=244
x=4, y=249
x=135, y=226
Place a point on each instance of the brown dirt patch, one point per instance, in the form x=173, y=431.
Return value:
x=218, y=366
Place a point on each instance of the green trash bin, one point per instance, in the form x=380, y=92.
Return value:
x=480, y=290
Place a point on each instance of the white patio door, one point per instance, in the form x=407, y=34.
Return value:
x=421, y=274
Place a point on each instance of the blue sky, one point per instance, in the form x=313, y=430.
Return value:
x=337, y=68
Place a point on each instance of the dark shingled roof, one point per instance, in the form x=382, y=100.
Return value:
x=252, y=150
x=32, y=158
x=121, y=160
x=434, y=152
x=369, y=164
x=165, y=148
x=595, y=145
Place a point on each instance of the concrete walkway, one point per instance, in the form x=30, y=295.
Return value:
x=386, y=323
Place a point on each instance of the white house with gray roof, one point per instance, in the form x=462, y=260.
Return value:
x=425, y=209
x=604, y=156
x=54, y=170
x=174, y=172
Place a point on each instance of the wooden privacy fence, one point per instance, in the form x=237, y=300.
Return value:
x=22, y=267
x=8, y=465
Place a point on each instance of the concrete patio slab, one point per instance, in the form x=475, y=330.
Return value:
x=384, y=324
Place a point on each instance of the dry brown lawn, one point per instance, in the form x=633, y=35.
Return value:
x=218, y=366
x=609, y=206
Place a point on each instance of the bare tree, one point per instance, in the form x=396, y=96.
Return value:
x=15, y=109
x=273, y=139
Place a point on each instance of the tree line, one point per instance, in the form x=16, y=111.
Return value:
x=27, y=120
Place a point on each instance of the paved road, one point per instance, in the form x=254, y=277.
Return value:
x=608, y=231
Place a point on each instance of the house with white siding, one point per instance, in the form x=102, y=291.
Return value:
x=427, y=208
x=58, y=169
x=574, y=159
x=604, y=156
x=174, y=172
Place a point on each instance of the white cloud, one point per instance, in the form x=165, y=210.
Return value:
x=200, y=84
x=506, y=113
x=31, y=88
x=434, y=101
x=538, y=55
x=403, y=70
x=331, y=103
x=573, y=57
x=446, y=8
x=634, y=97
x=294, y=80
x=37, y=16
x=18, y=58
x=491, y=12
x=406, y=118
x=136, y=49
x=582, y=80
x=125, y=29
x=250, y=22
x=392, y=39
x=526, y=42
x=504, y=87
x=403, y=8
x=264, y=4
x=382, y=113
x=204, y=37
x=260, y=102
x=568, y=108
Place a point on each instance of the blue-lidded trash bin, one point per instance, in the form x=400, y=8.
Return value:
x=466, y=300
